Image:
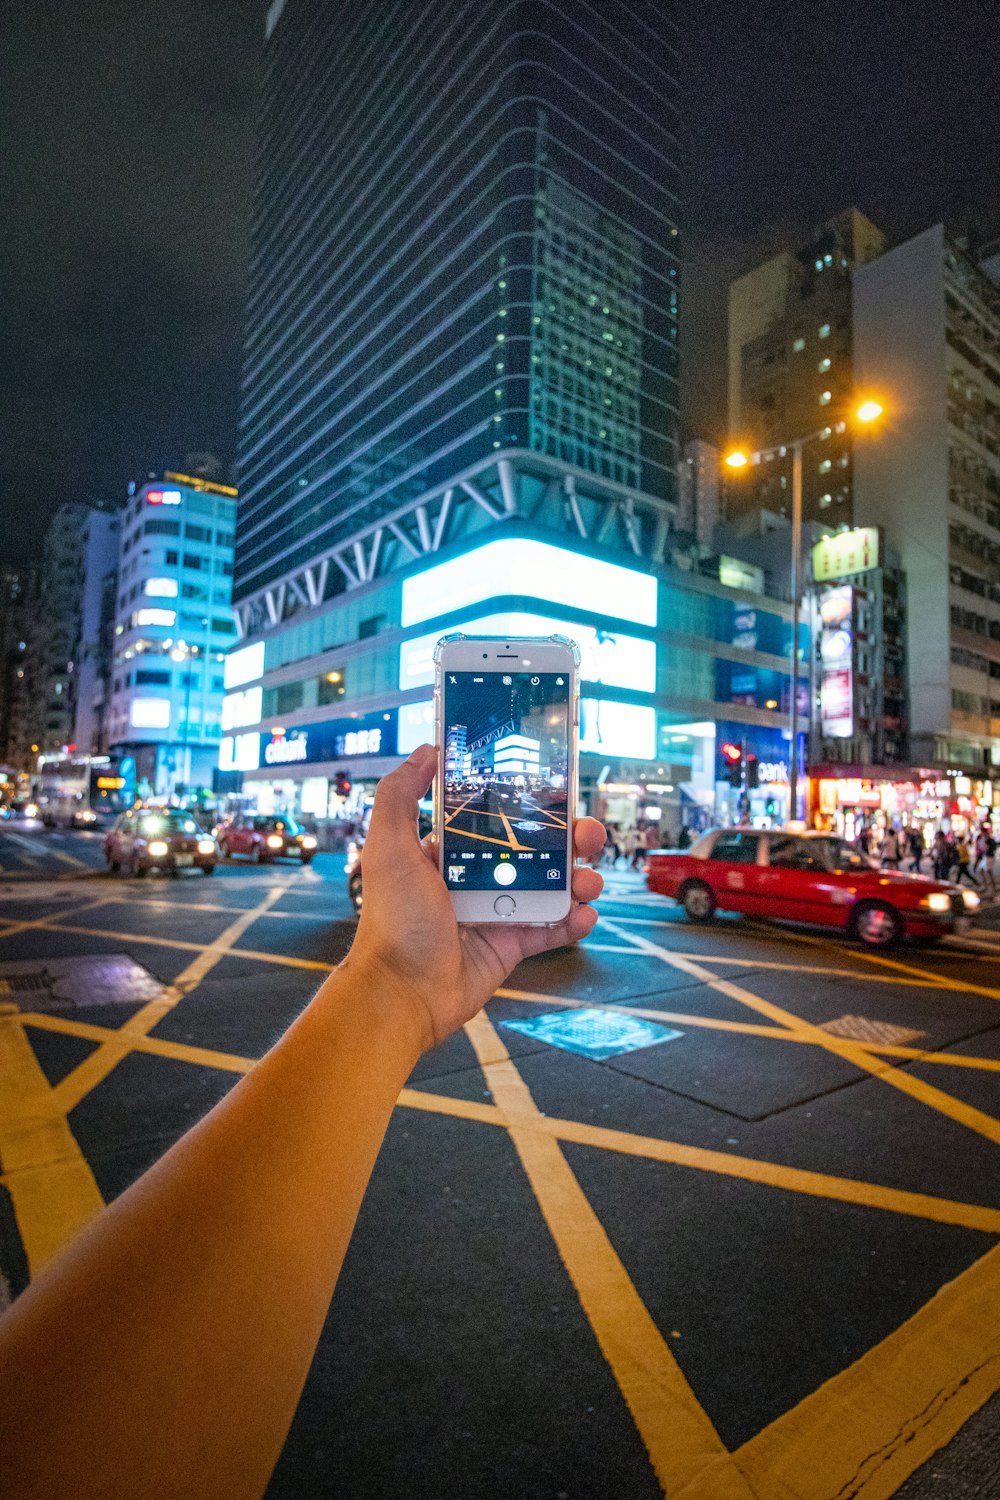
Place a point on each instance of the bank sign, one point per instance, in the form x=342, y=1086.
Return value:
x=369, y=735
x=845, y=554
x=363, y=738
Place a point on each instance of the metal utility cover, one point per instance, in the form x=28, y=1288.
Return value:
x=598, y=1034
x=862, y=1029
x=63, y=983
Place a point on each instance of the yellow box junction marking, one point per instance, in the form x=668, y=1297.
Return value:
x=882, y=1393
x=679, y=1438
x=859, y=1056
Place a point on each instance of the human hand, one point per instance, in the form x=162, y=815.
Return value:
x=440, y=972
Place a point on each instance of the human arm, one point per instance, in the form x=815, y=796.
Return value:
x=163, y=1354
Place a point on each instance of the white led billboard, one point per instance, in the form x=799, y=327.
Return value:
x=625, y=729
x=160, y=588
x=239, y=752
x=154, y=617
x=149, y=713
x=515, y=565
x=416, y=726
x=244, y=665
x=240, y=709
x=606, y=656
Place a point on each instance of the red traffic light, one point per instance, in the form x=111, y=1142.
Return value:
x=732, y=752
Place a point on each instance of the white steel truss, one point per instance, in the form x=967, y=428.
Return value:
x=516, y=483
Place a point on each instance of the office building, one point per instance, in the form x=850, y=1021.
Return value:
x=698, y=491
x=488, y=272
x=927, y=336
x=459, y=398
x=17, y=598
x=80, y=549
x=173, y=626
x=790, y=370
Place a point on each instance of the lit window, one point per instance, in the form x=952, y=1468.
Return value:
x=824, y=330
x=823, y=366
x=798, y=346
x=825, y=398
x=828, y=260
x=825, y=500
x=819, y=265
x=825, y=466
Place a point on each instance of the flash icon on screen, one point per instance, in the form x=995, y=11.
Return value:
x=452, y=679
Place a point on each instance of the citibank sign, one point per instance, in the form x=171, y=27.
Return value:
x=281, y=751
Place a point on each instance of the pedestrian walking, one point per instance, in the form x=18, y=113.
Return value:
x=986, y=849
x=916, y=848
x=889, y=849
x=640, y=847
x=964, y=859
x=940, y=856
x=613, y=849
x=684, y=837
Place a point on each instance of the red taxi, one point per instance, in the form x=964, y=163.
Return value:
x=807, y=877
x=166, y=839
x=264, y=838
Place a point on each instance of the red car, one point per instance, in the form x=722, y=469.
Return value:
x=265, y=838
x=159, y=839
x=807, y=877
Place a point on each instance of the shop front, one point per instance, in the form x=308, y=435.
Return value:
x=847, y=799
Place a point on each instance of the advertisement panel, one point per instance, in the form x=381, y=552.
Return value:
x=368, y=735
x=517, y=565
x=846, y=553
x=836, y=654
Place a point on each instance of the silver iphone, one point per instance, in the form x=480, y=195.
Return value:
x=507, y=715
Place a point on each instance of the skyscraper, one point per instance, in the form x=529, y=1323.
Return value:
x=790, y=371
x=927, y=334
x=463, y=247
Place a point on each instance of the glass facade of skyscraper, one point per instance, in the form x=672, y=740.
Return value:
x=464, y=244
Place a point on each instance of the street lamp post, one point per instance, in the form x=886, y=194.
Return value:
x=865, y=412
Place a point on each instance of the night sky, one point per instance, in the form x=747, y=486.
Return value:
x=124, y=202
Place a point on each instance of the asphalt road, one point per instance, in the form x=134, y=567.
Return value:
x=754, y=1253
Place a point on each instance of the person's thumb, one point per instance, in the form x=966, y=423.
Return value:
x=397, y=795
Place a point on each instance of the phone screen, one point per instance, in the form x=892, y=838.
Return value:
x=506, y=778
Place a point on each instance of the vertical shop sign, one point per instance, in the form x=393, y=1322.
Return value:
x=836, y=652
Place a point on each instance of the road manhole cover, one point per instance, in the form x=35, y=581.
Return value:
x=862, y=1029
x=66, y=983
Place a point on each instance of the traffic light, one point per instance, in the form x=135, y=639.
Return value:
x=342, y=783
x=732, y=755
x=753, y=771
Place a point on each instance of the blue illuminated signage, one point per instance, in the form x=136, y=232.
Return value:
x=365, y=737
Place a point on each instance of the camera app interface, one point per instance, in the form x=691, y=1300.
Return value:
x=506, y=768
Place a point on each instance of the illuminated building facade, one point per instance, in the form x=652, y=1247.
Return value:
x=173, y=625
x=487, y=268
x=927, y=333
x=459, y=405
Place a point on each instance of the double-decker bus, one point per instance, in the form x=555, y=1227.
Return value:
x=81, y=791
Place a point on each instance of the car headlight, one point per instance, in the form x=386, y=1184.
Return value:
x=206, y=846
x=274, y=841
x=158, y=849
x=308, y=842
x=939, y=901
x=31, y=811
x=970, y=899
x=89, y=817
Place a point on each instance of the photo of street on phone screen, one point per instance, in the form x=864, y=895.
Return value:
x=506, y=775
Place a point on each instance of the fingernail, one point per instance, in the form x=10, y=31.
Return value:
x=420, y=753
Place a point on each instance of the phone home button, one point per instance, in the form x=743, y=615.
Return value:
x=505, y=906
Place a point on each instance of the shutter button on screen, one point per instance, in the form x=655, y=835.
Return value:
x=504, y=873
x=505, y=906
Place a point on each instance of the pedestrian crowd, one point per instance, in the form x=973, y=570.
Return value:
x=958, y=857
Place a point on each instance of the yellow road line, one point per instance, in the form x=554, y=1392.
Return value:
x=281, y=959
x=679, y=1438
x=750, y=1169
x=851, y=1052
x=866, y=1430
x=76, y=1085
x=944, y=981
x=52, y=1188
x=68, y=859
x=752, y=1028
x=12, y=927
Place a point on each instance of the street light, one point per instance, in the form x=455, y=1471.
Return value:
x=865, y=412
